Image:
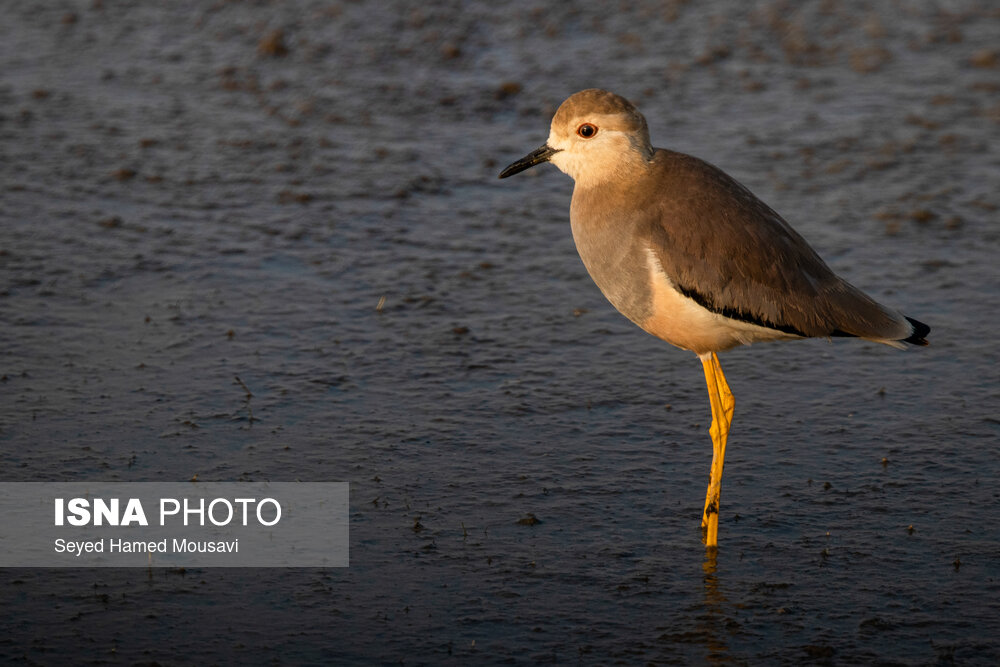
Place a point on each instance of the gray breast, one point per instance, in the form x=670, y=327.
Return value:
x=612, y=248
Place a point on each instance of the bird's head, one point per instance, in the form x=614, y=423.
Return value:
x=595, y=136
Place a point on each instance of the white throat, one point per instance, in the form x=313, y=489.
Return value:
x=610, y=157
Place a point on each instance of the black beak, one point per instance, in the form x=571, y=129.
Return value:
x=541, y=154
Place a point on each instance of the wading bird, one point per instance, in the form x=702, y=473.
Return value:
x=693, y=257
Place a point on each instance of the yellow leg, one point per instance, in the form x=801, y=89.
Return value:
x=722, y=402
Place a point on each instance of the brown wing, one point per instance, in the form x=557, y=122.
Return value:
x=734, y=255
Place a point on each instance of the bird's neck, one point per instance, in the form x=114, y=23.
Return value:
x=624, y=166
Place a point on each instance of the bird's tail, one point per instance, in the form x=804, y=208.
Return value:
x=919, y=331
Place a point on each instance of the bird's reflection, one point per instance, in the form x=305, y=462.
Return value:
x=714, y=625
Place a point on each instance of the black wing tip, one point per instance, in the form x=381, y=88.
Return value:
x=919, y=331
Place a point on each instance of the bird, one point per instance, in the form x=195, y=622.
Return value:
x=694, y=258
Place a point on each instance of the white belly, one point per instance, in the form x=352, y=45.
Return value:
x=683, y=322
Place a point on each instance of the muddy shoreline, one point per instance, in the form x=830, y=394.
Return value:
x=304, y=196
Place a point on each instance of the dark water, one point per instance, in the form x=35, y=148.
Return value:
x=183, y=205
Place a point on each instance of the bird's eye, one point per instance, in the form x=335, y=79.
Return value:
x=587, y=130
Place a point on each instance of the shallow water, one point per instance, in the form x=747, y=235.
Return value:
x=181, y=208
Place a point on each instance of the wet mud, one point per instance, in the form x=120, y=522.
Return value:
x=266, y=241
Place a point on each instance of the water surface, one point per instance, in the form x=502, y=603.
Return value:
x=182, y=206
